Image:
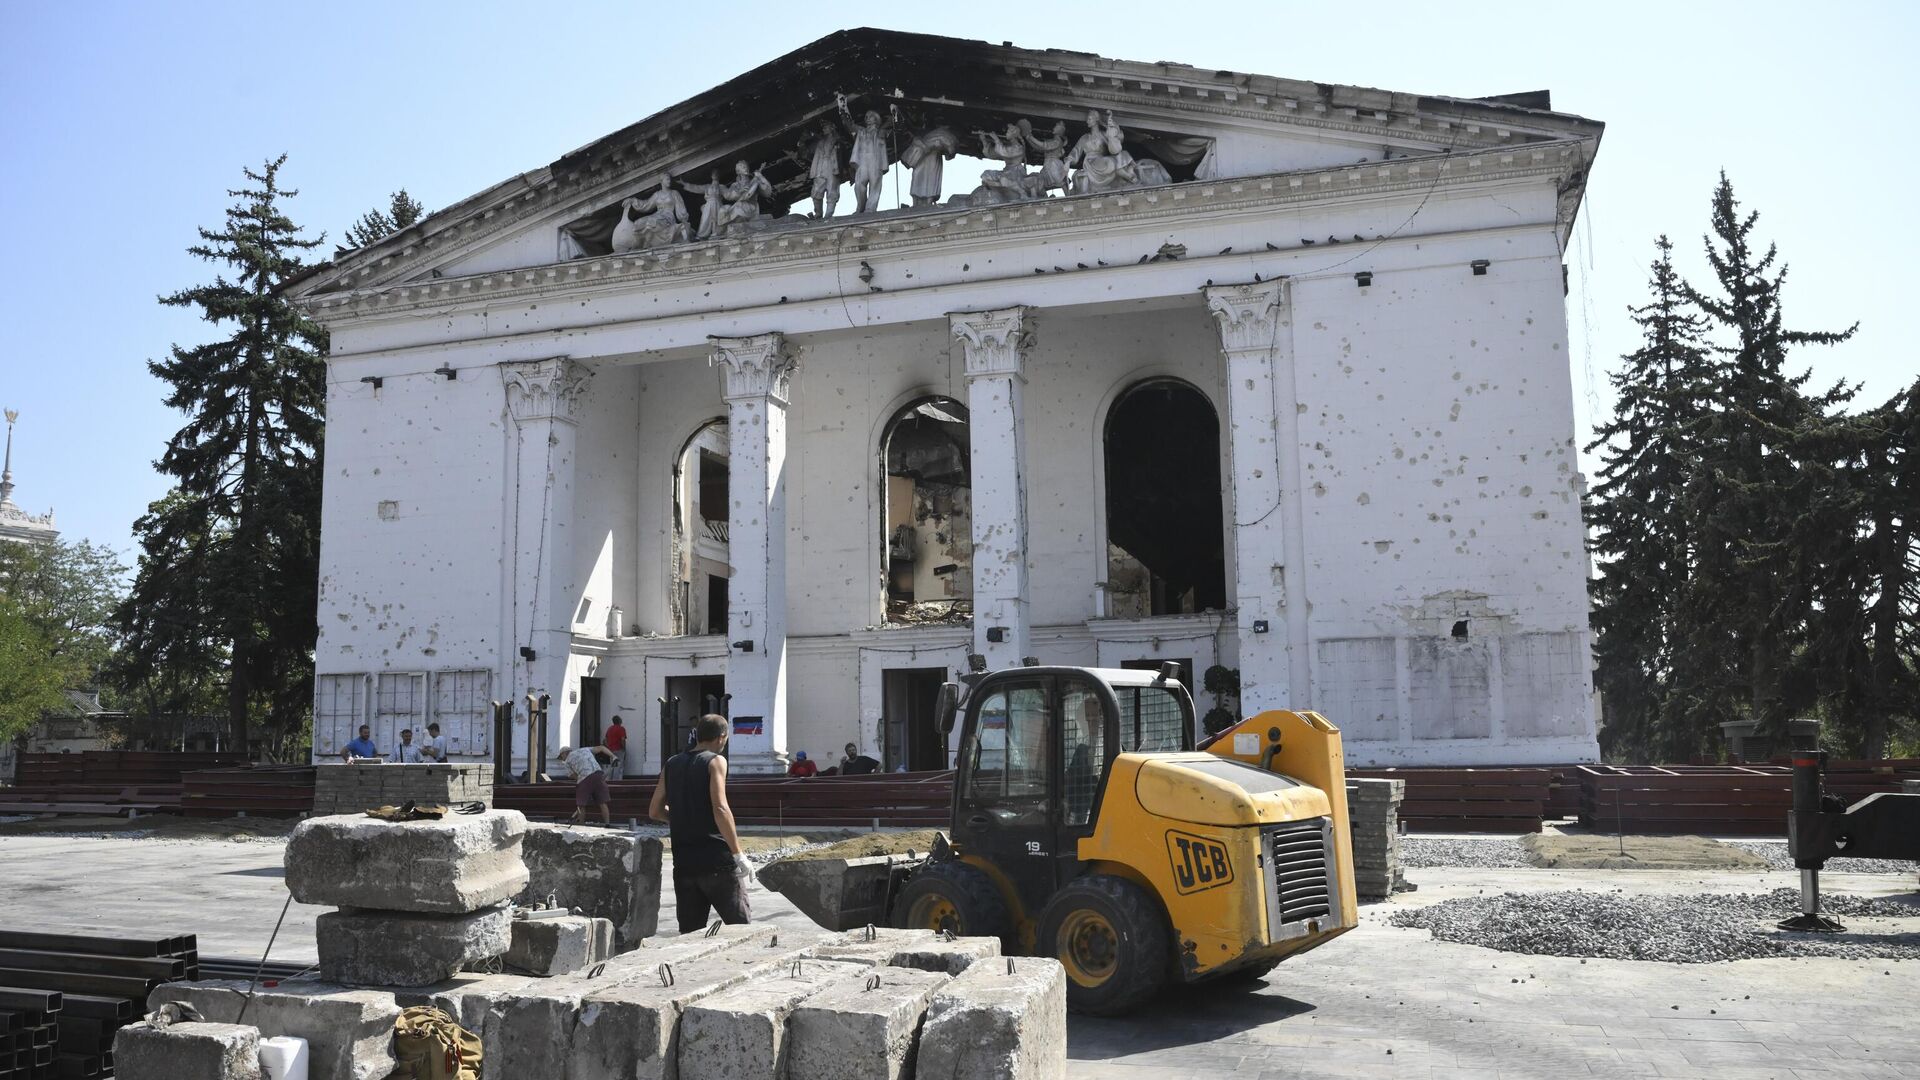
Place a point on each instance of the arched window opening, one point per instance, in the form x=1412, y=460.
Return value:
x=701, y=563
x=1166, y=553
x=928, y=539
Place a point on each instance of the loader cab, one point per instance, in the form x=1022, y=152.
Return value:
x=1035, y=748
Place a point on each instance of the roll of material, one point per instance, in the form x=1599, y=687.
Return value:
x=283, y=1057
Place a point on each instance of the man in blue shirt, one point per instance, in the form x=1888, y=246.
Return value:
x=361, y=747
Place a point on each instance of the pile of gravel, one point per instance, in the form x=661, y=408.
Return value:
x=1697, y=929
x=1433, y=851
x=1775, y=853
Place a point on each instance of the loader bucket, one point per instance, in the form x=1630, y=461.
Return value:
x=839, y=894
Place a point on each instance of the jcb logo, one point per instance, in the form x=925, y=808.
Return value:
x=1198, y=863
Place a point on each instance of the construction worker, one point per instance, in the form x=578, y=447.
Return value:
x=709, y=871
x=589, y=782
x=616, y=743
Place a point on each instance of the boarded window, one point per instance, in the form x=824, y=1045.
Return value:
x=399, y=701
x=339, y=708
x=463, y=711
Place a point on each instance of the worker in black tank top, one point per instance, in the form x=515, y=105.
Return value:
x=709, y=872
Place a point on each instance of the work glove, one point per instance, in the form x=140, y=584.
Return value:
x=742, y=868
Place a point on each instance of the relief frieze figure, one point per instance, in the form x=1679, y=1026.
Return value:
x=653, y=221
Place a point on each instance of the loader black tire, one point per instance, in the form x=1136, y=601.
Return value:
x=954, y=896
x=1111, y=937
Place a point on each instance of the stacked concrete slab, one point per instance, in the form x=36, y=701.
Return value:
x=596, y=872
x=357, y=788
x=1373, y=820
x=558, y=946
x=418, y=900
x=203, y=1051
x=349, y=1032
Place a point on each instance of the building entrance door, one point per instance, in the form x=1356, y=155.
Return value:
x=689, y=697
x=589, y=711
x=911, y=738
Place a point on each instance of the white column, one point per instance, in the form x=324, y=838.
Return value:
x=758, y=374
x=1256, y=338
x=543, y=398
x=996, y=343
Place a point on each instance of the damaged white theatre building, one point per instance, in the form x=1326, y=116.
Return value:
x=1099, y=362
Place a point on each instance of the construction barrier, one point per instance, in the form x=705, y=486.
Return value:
x=1724, y=800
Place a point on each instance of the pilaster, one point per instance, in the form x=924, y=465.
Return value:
x=1256, y=340
x=757, y=377
x=543, y=397
x=996, y=344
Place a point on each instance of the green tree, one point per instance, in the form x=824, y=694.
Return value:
x=402, y=210
x=232, y=555
x=34, y=677
x=68, y=590
x=1641, y=537
x=1755, y=506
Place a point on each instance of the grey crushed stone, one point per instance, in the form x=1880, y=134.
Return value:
x=1698, y=929
x=1434, y=851
x=1775, y=853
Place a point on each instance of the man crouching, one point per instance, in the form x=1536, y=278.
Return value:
x=589, y=781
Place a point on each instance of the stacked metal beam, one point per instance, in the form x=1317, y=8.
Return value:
x=1373, y=820
x=63, y=996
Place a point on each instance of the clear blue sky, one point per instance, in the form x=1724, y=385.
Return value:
x=125, y=124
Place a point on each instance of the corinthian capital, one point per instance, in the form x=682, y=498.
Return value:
x=1249, y=315
x=757, y=367
x=995, y=340
x=545, y=389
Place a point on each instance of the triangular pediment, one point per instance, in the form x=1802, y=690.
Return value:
x=1192, y=123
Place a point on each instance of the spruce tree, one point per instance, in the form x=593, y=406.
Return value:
x=1640, y=532
x=232, y=556
x=402, y=210
x=1755, y=501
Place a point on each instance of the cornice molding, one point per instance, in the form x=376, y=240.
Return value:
x=757, y=368
x=1566, y=162
x=995, y=341
x=548, y=389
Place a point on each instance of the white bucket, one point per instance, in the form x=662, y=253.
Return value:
x=283, y=1057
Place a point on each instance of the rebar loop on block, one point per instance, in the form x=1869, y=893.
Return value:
x=666, y=974
x=773, y=940
x=873, y=982
x=1009, y=965
x=598, y=970
x=946, y=933
x=796, y=967
x=872, y=934
x=714, y=930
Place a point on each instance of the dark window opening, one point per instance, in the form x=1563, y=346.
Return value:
x=700, y=549
x=716, y=604
x=928, y=538
x=1166, y=549
x=910, y=737
x=1460, y=630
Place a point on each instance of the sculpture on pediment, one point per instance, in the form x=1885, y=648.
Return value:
x=654, y=221
x=927, y=155
x=1009, y=182
x=713, y=197
x=1053, y=156
x=820, y=155
x=742, y=197
x=870, y=162
x=1103, y=164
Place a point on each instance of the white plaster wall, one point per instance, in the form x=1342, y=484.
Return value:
x=412, y=513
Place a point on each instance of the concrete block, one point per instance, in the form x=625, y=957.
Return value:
x=349, y=1032
x=201, y=1051
x=394, y=948
x=989, y=1024
x=598, y=872
x=922, y=949
x=863, y=1028
x=458, y=864
x=604, y=1026
x=465, y=997
x=554, y=946
x=743, y=1032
